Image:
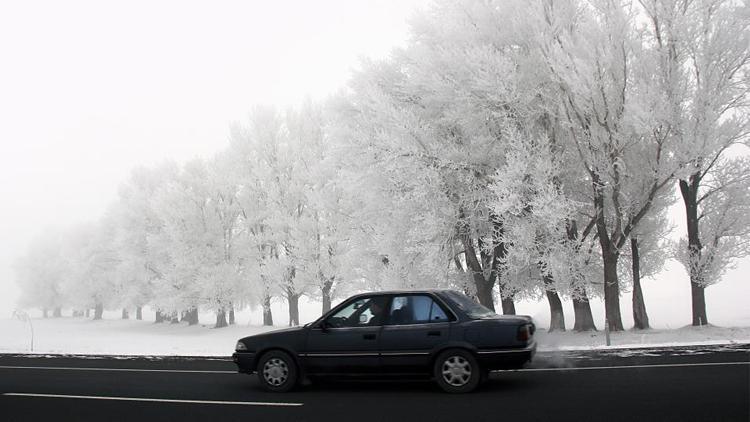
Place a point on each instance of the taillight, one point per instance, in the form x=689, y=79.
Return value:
x=524, y=333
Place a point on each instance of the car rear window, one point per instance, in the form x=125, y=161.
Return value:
x=471, y=308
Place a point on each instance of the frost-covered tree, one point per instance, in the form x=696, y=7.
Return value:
x=40, y=273
x=724, y=224
x=646, y=255
x=535, y=215
x=276, y=159
x=323, y=232
x=92, y=258
x=703, y=57
x=137, y=225
x=256, y=237
x=199, y=214
x=436, y=120
x=599, y=59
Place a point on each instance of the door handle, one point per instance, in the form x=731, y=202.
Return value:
x=433, y=333
x=368, y=336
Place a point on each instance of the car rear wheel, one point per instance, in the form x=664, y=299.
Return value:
x=277, y=371
x=457, y=371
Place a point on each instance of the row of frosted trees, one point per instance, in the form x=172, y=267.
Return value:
x=513, y=150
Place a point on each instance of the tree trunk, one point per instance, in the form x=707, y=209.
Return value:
x=484, y=291
x=698, y=294
x=231, y=314
x=88, y=312
x=57, y=312
x=139, y=313
x=98, y=311
x=584, y=319
x=44, y=313
x=640, y=317
x=293, y=300
x=610, y=256
x=612, y=292
x=221, y=318
x=482, y=285
x=509, y=308
x=689, y=191
x=557, y=316
x=191, y=316
x=125, y=314
x=160, y=317
x=174, y=317
x=325, y=292
x=267, y=315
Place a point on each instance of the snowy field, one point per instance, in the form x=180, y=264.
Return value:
x=129, y=337
x=670, y=316
x=121, y=337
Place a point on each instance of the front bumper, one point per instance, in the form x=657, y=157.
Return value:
x=245, y=362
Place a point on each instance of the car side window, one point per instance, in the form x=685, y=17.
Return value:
x=362, y=312
x=415, y=309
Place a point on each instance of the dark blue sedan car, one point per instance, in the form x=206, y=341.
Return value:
x=441, y=334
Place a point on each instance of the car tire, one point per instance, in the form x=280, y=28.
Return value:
x=277, y=371
x=457, y=371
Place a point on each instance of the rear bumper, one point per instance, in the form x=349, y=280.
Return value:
x=506, y=358
x=245, y=362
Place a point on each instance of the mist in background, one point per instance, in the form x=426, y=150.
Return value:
x=91, y=90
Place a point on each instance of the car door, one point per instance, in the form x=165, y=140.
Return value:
x=347, y=341
x=416, y=325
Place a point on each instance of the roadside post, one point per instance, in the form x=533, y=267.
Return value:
x=24, y=317
x=606, y=330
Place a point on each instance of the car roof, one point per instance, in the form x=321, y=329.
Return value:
x=397, y=292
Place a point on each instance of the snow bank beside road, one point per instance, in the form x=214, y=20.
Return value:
x=571, y=340
x=120, y=337
x=130, y=337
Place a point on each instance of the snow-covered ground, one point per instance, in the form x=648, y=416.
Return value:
x=120, y=337
x=128, y=337
x=643, y=338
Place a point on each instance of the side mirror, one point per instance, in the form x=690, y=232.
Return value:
x=324, y=325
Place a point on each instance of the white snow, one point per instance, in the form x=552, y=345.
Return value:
x=128, y=337
x=688, y=335
x=120, y=337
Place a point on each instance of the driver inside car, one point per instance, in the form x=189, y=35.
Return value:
x=378, y=313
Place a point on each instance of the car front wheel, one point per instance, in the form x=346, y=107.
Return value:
x=457, y=371
x=277, y=371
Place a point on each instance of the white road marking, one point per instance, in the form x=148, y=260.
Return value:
x=590, y=368
x=67, y=368
x=144, y=399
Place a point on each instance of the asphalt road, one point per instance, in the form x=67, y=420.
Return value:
x=680, y=384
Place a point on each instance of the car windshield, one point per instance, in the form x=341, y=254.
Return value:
x=469, y=307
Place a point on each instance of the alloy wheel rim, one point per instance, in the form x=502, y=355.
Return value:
x=456, y=371
x=275, y=372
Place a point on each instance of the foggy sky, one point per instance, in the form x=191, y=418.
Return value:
x=90, y=89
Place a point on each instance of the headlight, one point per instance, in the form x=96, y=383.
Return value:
x=240, y=347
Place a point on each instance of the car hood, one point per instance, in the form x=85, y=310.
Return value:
x=281, y=331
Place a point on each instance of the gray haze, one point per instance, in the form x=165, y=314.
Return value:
x=90, y=89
